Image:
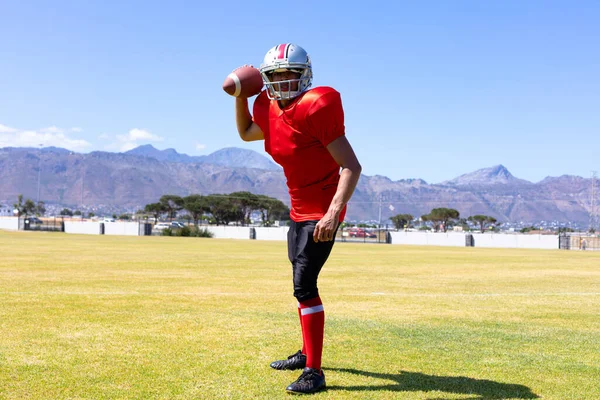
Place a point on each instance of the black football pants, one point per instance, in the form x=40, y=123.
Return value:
x=307, y=258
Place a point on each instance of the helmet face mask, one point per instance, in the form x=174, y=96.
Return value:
x=286, y=57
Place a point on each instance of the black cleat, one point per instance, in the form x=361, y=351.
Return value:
x=312, y=380
x=295, y=361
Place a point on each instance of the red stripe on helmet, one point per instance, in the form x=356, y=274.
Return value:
x=281, y=50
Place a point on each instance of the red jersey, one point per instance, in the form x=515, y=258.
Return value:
x=297, y=138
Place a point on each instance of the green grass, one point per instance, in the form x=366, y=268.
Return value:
x=100, y=317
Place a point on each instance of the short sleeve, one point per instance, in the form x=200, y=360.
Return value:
x=325, y=117
x=260, y=111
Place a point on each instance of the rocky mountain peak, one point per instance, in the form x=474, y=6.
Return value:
x=232, y=157
x=495, y=175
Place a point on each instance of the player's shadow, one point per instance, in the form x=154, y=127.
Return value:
x=406, y=381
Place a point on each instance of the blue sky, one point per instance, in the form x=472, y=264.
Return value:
x=431, y=89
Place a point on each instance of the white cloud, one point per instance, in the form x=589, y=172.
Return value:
x=139, y=134
x=52, y=136
x=104, y=136
x=200, y=146
x=6, y=129
x=76, y=129
x=127, y=146
x=133, y=139
x=51, y=129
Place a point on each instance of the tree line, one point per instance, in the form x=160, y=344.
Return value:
x=442, y=218
x=222, y=208
x=27, y=207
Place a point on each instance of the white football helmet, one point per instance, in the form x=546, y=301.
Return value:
x=286, y=57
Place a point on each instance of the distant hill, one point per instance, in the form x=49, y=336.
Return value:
x=230, y=157
x=128, y=181
x=496, y=175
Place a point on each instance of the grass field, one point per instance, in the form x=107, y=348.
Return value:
x=100, y=317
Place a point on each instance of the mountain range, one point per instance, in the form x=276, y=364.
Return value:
x=127, y=181
x=230, y=157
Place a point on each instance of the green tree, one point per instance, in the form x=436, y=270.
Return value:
x=482, y=220
x=40, y=208
x=223, y=209
x=278, y=211
x=272, y=209
x=401, y=221
x=155, y=209
x=29, y=207
x=196, y=205
x=441, y=217
x=67, y=212
x=246, y=202
x=19, y=205
x=528, y=229
x=77, y=212
x=172, y=204
x=463, y=223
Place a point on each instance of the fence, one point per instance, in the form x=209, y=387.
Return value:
x=364, y=235
x=46, y=224
x=384, y=234
x=579, y=241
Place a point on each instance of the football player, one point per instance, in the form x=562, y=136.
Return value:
x=303, y=130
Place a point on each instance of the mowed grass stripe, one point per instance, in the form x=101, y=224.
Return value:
x=100, y=317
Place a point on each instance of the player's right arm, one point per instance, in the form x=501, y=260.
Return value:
x=247, y=129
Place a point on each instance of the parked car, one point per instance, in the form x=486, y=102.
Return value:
x=33, y=220
x=361, y=233
x=171, y=225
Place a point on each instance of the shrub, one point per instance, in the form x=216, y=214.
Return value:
x=187, y=231
x=201, y=232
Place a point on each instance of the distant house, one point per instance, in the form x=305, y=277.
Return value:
x=5, y=211
x=540, y=232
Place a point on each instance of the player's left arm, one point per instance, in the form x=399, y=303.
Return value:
x=342, y=152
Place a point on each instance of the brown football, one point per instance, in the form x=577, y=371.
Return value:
x=245, y=81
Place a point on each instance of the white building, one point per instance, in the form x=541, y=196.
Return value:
x=6, y=211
